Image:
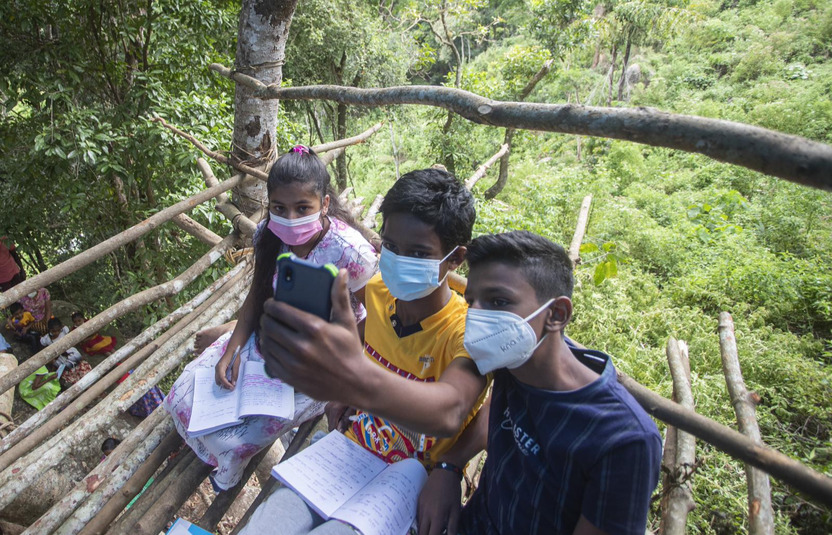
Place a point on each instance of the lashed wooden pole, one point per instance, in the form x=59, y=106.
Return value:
x=95, y=516
x=224, y=205
x=121, y=308
x=760, y=513
x=172, y=472
x=148, y=336
x=480, y=172
x=197, y=230
x=680, y=497
x=782, y=155
x=735, y=444
x=139, y=444
x=158, y=515
x=27, y=469
x=108, y=246
x=580, y=230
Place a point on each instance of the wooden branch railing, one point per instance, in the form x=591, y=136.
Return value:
x=142, y=440
x=121, y=308
x=28, y=469
x=239, y=221
x=195, y=229
x=108, y=246
x=782, y=155
x=42, y=424
x=760, y=513
x=735, y=444
x=94, y=516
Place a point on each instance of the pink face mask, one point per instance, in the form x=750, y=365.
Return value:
x=295, y=231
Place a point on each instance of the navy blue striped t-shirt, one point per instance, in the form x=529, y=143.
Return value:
x=554, y=456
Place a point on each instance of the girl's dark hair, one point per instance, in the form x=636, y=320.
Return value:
x=54, y=323
x=77, y=314
x=299, y=165
x=15, y=307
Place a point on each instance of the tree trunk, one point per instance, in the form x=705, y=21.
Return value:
x=612, y=72
x=261, y=44
x=623, y=79
x=341, y=161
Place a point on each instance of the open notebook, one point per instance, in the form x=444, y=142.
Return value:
x=340, y=479
x=256, y=394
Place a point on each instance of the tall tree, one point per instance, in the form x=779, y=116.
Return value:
x=81, y=162
x=261, y=44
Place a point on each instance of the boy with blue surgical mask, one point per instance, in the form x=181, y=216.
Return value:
x=414, y=332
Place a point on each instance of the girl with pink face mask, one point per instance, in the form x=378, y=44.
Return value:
x=304, y=218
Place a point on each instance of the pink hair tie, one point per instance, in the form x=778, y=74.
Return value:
x=301, y=149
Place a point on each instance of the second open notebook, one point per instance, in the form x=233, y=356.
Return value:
x=256, y=394
x=340, y=479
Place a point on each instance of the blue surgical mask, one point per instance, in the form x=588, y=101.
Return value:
x=409, y=278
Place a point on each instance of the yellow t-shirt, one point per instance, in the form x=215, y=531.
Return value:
x=418, y=355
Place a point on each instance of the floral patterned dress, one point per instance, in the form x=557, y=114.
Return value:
x=231, y=449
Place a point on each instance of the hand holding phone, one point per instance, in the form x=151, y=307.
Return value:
x=305, y=285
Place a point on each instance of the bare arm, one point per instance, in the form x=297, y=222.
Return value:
x=326, y=361
x=242, y=330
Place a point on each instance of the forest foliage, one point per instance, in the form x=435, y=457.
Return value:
x=673, y=238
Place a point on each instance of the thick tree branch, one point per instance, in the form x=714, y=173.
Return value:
x=782, y=155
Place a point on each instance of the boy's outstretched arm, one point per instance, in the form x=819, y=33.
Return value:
x=326, y=361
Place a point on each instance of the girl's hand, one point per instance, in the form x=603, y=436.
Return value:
x=221, y=370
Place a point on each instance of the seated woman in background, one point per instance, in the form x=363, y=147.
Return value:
x=39, y=304
x=96, y=344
